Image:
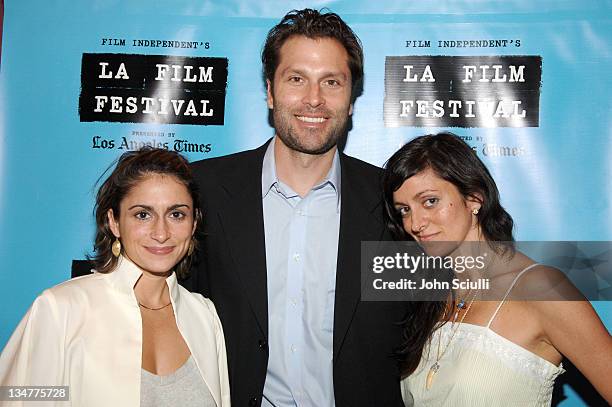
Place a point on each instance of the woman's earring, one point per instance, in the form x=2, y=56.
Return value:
x=116, y=247
x=475, y=211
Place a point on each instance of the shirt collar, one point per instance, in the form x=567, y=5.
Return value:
x=126, y=274
x=268, y=171
x=270, y=179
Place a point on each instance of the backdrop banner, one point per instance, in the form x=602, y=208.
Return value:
x=523, y=82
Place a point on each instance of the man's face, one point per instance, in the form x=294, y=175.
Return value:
x=311, y=94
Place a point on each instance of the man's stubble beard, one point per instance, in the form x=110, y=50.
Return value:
x=293, y=141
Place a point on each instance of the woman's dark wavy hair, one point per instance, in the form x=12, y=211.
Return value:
x=313, y=24
x=454, y=161
x=131, y=168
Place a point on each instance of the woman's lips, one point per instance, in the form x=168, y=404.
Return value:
x=160, y=250
x=425, y=238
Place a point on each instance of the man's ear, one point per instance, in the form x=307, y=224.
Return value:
x=269, y=96
x=113, y=224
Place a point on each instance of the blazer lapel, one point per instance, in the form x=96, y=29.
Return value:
x=358, y=223
x=242, y=221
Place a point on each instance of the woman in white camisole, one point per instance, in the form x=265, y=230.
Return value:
x=465, y=351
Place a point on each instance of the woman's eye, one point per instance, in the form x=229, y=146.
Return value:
x=142, y=215
x=403, y=210
x=430, y=202
x=177, y=215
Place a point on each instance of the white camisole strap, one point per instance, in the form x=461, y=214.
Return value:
x=508, y=291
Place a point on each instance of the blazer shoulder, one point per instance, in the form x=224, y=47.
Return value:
x=360, y=166
x=212, y=173
x=361, y=175
x=57, y=302
x=73, y=288
x=76, y=293
x=228, y=161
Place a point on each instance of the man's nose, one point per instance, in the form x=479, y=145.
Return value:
x=313, y=96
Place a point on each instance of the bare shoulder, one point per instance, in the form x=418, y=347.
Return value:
x=567, y=323
x=558, y=306
x=544, y=283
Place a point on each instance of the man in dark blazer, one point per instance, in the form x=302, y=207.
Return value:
x=267, y=268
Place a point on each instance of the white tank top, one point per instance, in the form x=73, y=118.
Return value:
x=481, y=368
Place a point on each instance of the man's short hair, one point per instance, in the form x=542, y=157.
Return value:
x=313, y=24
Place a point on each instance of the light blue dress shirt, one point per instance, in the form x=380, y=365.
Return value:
x=301, y=254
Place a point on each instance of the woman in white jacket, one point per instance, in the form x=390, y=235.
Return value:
x=128, y=334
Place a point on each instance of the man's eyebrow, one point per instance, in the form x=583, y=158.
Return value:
x=325, y=74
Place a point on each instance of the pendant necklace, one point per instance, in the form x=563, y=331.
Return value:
x=436, y=366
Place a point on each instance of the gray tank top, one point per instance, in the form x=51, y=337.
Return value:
x=185, y=387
